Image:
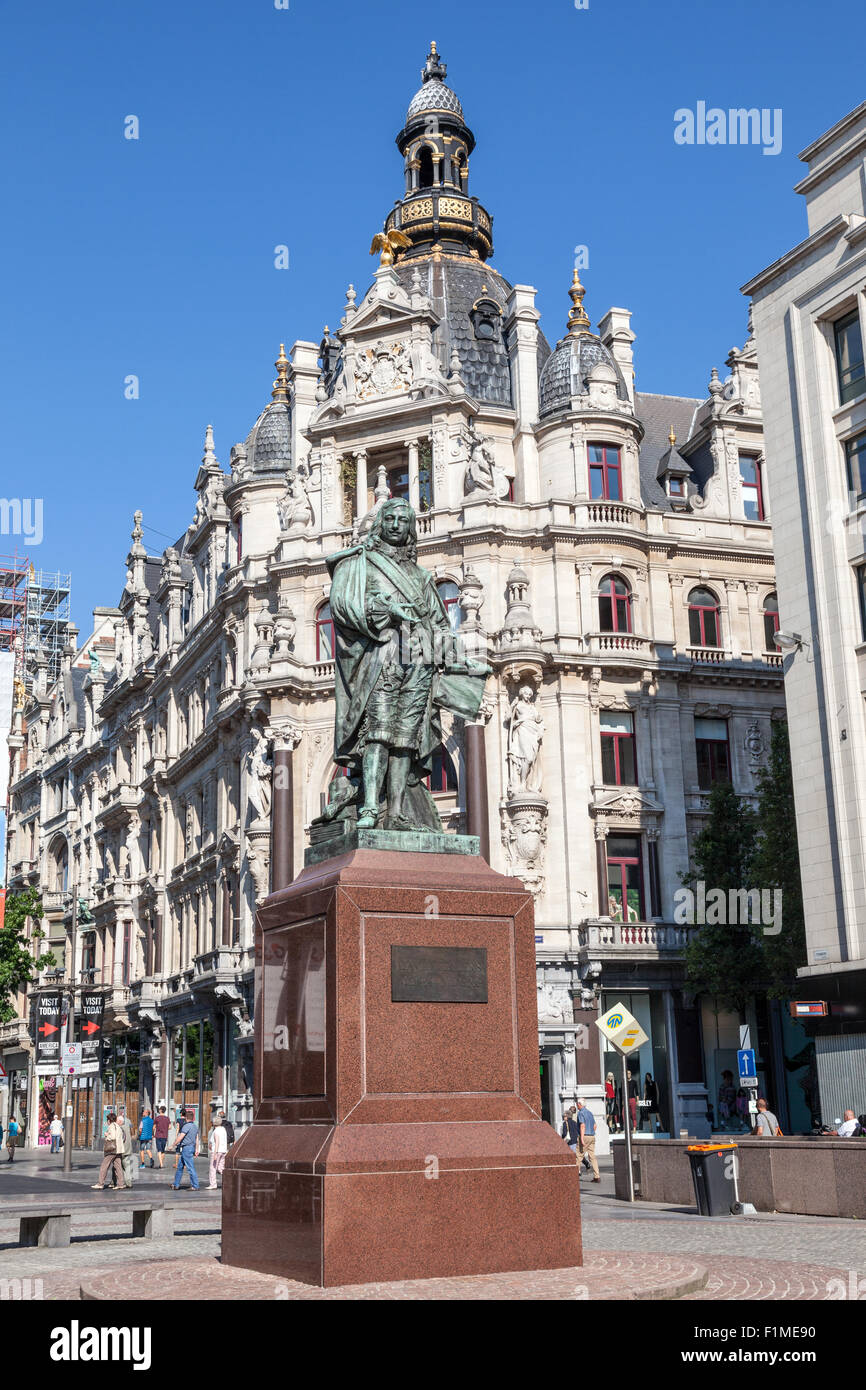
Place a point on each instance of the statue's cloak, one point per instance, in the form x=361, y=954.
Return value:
x=363, y=643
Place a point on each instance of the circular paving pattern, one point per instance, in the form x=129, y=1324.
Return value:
x=607, y=1275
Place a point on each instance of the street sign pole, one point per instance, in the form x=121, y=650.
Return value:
x=67, y=1086
x=627, y=1123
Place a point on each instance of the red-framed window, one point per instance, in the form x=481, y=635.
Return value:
x=771, y=622
x=442, y=777
x=625, y=878
x=618, y=762
x=450, y=596
x=324, y=634
x=753, y=491
x=704, y=625
x=614, y=604
x=605, y=473
x=676, y=487
x=713, y=752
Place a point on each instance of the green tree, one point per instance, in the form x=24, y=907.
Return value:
x=724, y=959
x=18, y=965
x=777, y=865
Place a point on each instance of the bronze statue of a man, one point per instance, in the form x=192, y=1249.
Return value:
x=397, y=666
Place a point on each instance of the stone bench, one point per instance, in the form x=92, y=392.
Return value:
x=50, y=1224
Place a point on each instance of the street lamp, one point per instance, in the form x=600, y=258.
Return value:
x=789, y=641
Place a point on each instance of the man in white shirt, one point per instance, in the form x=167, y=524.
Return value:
x=848, y=1127
x=55, y=1129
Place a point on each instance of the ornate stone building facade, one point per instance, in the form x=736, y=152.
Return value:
x=609, y=550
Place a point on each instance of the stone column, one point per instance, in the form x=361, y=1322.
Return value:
x=601, y=867
x=360, y=483
x=282, y=809
x=226, y=933
x=477, y=811
x=414, y=481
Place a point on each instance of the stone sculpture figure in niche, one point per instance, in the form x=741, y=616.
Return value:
x=526, y=730
x=398, y=665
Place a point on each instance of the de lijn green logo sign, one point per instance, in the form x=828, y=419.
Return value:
x=614, y=1021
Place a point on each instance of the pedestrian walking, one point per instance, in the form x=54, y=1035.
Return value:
x=586, y=1128
x=570, y=1128
x=145, y=1138
x=766, y=1124
x=112, y=1147
x=55, y=1129
x=228, y=1127
x=11, y=1137
x=217, y=1144
x=126, y=1149
x=610, y=1108
x=187, y=1147
x=161, y=1127
x=177, y=1120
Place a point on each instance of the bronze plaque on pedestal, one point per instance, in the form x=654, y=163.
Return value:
x=438, y=975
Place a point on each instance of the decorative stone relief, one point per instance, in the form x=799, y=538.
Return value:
x=383, y=370
x=754, y=744
x=524, y=836
x=554, y=1003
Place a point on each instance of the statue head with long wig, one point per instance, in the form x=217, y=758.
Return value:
x=395, y=523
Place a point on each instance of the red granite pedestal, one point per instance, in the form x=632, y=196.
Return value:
x=398, y=1138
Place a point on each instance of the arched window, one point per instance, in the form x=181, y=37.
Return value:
x=704, y=625
x=324, y=634
x=442, y=777
x=425, y=172
x=450, y=594
x=614, y=604
x=59, y=866
x=771, y=622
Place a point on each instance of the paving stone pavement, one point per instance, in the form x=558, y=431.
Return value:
x=828, y=1242
x=769, y=1256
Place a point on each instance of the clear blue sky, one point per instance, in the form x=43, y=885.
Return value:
x=261, y=126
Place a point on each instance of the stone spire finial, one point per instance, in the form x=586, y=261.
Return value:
x=578, y=319
x=281, y=385
x=434, y=66
x=382, y=492
x=136, y=529
x=209, y=458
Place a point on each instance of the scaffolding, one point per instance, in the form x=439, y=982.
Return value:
x=47, y=616
x=34, y=613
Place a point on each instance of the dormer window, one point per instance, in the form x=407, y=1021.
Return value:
x=676, y=488
x=486, y=319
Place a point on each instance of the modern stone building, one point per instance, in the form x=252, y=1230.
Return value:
x=609, y=549
x=809, y=315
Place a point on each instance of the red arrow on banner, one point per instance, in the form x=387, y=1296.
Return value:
x=47, y=1028
x=90, y=1028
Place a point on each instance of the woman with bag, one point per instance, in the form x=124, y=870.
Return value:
x=112, y=1149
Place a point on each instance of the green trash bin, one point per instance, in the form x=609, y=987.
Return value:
x=713, y=1178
